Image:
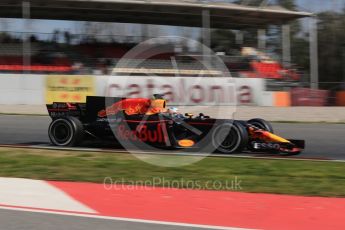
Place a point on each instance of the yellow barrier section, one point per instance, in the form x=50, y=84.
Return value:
x=69, y=88
x=340, y=98
x=282, y=99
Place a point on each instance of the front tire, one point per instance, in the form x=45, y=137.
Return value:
x=228, y=138
x=66, y=132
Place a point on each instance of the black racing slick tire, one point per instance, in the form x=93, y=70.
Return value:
x=230, y=137
x=66, y=132
x=261, y=124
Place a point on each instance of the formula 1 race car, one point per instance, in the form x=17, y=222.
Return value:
x=142, y=122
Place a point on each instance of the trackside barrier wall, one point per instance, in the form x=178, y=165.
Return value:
x=309, y=97
x=340, y=98
x=186, y=90
x=25, y=89
x=22, y=89
x=267, y=98
x=73, y=88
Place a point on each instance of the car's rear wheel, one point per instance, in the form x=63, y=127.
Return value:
x=261, y=124
x=66, y=132
x=230, y=138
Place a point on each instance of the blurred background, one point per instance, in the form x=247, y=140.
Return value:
x=296, y=47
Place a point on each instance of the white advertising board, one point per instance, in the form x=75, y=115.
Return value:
x=30, y=89
x=185, y=90
x=22, y=89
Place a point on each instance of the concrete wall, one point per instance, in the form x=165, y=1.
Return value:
x=31, y=89
x=186, y=90
x=29, y=92
x=22, y=89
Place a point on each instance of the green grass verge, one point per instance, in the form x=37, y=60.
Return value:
x=254, y=175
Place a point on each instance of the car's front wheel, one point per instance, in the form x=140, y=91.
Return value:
x=230, y=137
x=66, y=132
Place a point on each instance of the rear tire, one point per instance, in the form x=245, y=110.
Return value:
x=66, y=132
x=228, y=138
x=261, y=124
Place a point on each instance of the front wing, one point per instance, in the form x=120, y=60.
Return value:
x=262, y=140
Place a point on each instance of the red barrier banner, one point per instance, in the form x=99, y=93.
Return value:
x=309, y=97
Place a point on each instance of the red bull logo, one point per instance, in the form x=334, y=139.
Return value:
x=143, y=133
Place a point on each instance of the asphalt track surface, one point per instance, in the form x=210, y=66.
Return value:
x=23, y=220
x=325, y=141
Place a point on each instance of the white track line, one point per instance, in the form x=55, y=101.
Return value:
x=49, y=147
x=125, y=219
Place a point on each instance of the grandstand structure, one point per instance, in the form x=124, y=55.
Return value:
x=164, y=12
x=188, y=13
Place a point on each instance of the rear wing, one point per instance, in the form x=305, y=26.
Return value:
x=66, y=109
x=84, y=111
